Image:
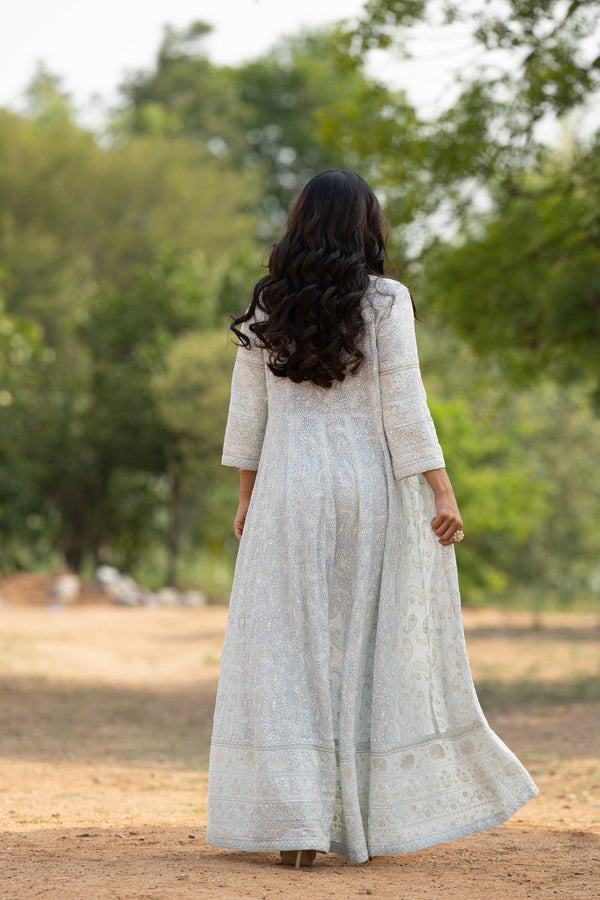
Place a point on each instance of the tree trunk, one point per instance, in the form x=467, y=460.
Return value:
x=72, y=550
x=173, y=539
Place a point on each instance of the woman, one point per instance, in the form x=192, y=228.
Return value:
x=346, y=717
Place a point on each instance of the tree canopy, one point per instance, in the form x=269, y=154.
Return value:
x=123, y=253
x=515, y=265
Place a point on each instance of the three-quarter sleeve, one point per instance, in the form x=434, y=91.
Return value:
x=409, y=428
x=247, y=417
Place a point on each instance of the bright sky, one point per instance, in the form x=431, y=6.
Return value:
x=92, y=43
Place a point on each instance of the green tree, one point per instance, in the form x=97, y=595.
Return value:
x=192, y=394
x=538, y=58
x=312, y=106
x=523, y=283
x=184, y=95
x=27, y=521
x=115, y=482
x=107, y=254
x=76, y=214
x=506, y=228
x=523, y=466
x=305, y=106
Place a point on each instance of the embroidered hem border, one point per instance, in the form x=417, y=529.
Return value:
x=440, y=837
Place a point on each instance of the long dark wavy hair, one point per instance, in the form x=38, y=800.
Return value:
x=310, y=301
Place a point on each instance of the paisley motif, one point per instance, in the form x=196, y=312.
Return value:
x=346, y=717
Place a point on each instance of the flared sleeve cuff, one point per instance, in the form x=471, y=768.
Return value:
x=418, y=466
x=239, y=462
x=408, y=426
x=413, y=445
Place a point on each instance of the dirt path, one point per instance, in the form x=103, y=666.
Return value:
x=104, y=726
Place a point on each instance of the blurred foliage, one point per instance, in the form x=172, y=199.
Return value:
x=27, y=526
x=184, y=95
x=307, y=105
x=107, y=254
x=507, y=230
x=534, y=58
x=523, y=466
x=123, y=254
x=192, y=394
x=76, y=214
x=523, y=283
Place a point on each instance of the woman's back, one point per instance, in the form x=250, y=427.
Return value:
x=302, y=425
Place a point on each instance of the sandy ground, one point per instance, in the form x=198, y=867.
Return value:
x=105, y=717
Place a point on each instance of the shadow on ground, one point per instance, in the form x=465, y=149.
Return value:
x=54, y=721
x=57, y=721
x=539, y=632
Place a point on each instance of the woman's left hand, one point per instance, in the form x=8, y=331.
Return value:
x=247, y=479
x=240, y=518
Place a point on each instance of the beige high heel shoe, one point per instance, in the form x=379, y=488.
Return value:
x=297, y=858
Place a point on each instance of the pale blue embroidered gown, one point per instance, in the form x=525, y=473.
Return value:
x=346, y=717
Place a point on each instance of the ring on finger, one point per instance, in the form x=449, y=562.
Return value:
x=458, y=536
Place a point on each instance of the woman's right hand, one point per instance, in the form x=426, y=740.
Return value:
x=447, y=520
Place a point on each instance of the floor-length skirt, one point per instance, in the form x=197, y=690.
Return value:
x=346, y=717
